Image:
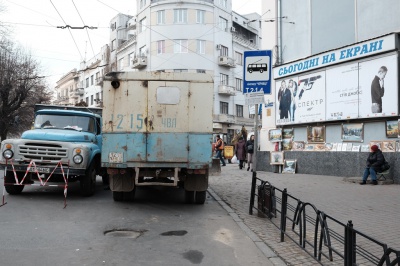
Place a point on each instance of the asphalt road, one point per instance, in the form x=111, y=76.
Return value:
x=156, y=229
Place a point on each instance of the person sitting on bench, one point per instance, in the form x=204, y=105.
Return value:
x=375, y=161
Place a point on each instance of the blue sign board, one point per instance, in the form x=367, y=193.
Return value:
x=257, y=71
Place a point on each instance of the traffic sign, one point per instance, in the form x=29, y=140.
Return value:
x=254, y=98
x=257, y=72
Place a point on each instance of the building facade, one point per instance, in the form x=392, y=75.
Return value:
x=332, y=58
x=201, y=36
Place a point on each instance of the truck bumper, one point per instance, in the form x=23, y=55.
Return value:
x=48, y=169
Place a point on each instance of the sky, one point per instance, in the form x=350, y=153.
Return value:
x=35, y=27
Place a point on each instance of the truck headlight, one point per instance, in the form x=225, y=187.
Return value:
x=8, y=154
x=78, y=159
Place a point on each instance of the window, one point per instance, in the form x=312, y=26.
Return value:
x=239, y=58
x=161, y=17
x=131, y=56
x=142, y=25
x=180, y=46
x=97, y=97
x=224, y=51
x=121, y=64
x=239, y=110
x=223, y=79
x=223, y=24
x=223, y=3
x=87, y=100
x=203, y=71
x=87, y=82
x=91, y=80
x=201, y=46
x=180, y=15
x=161, y=47
x=142, y=3
x=91, y=99
x=239, y=84
x=180, y=70
x=97, y=77
x=113, y=45
x=200, y=16
x=142, y=51
x=223, y=107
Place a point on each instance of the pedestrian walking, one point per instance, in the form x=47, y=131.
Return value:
x=250, y=151
x=219, y=147
x=240, y=151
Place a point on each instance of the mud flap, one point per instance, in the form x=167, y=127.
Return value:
x=196, y=182
x=122, y=182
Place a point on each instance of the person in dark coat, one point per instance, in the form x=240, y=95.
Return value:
x=375, y=161
x=250, y=151
x=240, y=151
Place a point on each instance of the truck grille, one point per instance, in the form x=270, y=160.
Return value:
x=43, y=152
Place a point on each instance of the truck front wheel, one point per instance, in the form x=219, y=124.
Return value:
x=88, y=182
x=13, y=189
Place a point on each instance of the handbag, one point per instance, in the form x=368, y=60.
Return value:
x=385, y=167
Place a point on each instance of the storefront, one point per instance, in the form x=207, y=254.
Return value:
x=336, y=105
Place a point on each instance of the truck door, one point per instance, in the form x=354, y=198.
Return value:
x=167, y=123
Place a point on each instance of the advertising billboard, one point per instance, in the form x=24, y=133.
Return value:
x=342, y=92
x=378, y=82
x=362, y=89
x=301, y=99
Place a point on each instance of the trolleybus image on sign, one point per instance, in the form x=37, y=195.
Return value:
x=257, y=67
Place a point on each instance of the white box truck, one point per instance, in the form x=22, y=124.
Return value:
x=157, y=131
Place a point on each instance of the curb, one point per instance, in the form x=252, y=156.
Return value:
x=264, y=248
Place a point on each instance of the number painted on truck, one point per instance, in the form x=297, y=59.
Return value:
x=134, y=121
x=169, y=122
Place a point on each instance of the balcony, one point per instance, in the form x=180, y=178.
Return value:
x=226, y=90
x=139, y=62
x=226, y=61
x=224, y=118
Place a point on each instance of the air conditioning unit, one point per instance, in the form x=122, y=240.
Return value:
x=219, y=46
x=223, y=60
x=233, y=29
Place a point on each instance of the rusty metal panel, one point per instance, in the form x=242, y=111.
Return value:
x=201, y=102
x=168, y=107
x=125, y=108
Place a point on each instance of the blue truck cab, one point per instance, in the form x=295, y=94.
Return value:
x=66, y=135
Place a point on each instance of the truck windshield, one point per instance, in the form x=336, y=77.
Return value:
x=67, y=122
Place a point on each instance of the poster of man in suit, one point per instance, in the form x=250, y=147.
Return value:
x=379, y=87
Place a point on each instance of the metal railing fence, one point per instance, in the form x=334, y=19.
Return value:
x=323, y=237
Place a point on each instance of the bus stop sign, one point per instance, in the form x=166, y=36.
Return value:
x=257, y=72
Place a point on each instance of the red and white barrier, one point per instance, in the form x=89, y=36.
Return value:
x=43, y=182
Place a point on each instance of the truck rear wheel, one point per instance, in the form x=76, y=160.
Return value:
x=130, y=195
x=13, y=189
x=189, y=197
x=88, y=182
x=118, y=196
x=200, y=197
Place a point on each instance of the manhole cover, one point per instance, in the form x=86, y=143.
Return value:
x=123, y=233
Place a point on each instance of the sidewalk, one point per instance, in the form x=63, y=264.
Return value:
x=374, y=210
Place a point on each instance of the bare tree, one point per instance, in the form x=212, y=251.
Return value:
x=21, y=88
